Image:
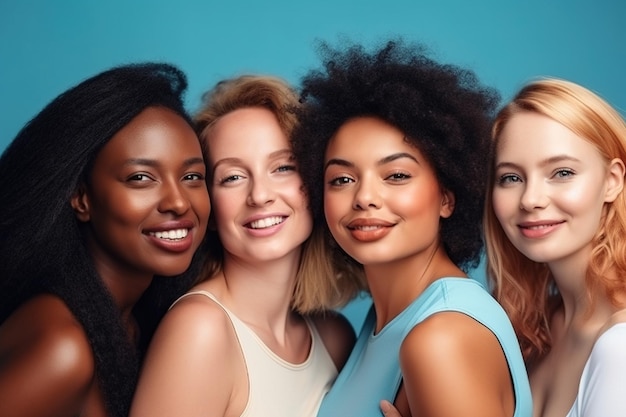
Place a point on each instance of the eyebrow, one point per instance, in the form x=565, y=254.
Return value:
x=543, y=163
x=272, y=155
x=155, y=163
x=382, y=161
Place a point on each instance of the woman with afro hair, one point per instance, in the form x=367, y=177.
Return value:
x=101, y=191
x=393, y=147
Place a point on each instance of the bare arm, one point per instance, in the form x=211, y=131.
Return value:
x=193, y=365
x=452, y=366
x=46, y=363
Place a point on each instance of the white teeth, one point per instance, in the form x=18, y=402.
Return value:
x=367, y=228
x=267, y=222
x=543, y=226
x=171, y=234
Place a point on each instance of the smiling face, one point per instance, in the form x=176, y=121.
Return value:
x=260, y=210
x=550, y=188
x=382, y=199
x=146, y=203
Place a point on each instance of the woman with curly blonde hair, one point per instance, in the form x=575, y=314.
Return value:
x=555, y=222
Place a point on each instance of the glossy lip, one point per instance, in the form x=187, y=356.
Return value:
x=172, y=245
x=369, y=230
x=265, y=231
x=539, y=229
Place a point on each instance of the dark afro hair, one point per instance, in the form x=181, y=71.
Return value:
x=442, y=109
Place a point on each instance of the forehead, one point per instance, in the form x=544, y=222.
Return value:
x=368, y=136
x=245, y=130
x=153, y=133
x=532, y=135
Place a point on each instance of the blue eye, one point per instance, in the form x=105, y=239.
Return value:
x=285, y=168
x=508, y=179
x=564, y=173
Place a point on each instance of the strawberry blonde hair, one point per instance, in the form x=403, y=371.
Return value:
x=525, y=288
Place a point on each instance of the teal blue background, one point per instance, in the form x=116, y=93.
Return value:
x=47, y=46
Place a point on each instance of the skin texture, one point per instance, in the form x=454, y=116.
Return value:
x=550, y=191
x=194, y=366
x=149, y=177
x=383, y=204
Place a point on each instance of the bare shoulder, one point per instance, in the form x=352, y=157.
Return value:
x=44, y=353
x=448, y=355
x=337, y=334
x=194, y=364
x=195, y=330
x=198, y=317
x=447, y=335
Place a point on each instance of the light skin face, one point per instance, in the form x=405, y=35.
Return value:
x=550, y=188
x=382, y=200
x=146, y=204
x=260, y=210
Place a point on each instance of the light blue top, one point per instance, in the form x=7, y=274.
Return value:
x=372, y=372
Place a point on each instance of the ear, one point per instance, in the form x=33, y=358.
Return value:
x=80, y=204
x=447, y=204
x=614, y=180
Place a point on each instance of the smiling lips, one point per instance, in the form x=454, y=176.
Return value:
x=175, y=234
x=369, y=230
x=266, y=222
x=172, y=238
x=540, y=229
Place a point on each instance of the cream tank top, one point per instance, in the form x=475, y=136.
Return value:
x=279, y=388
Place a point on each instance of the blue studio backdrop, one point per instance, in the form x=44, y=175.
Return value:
x=48, y=46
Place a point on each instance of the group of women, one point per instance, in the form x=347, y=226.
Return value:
x=154, y=263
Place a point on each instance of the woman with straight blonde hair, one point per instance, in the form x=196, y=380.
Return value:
x=255, y=337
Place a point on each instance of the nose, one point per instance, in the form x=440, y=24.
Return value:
x=174, y=199
x=534, y=195
x=367, y=195
x=261, y=192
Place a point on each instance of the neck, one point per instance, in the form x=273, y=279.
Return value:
x=260, y=294
x=395, y=285
x=578, y=310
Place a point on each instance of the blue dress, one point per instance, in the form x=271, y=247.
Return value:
x=372, y=372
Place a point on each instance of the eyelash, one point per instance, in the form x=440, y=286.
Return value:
x=340, y=181
x=508, y=178
x=139, y=177
x=398, y=176
x=286, y=168
x=558, y=173
x=561, y=173
x=229, y=178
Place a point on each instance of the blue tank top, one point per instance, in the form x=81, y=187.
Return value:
x=372, y=372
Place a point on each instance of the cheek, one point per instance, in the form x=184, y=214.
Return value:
x=201, y=204
x=582, y=201
x=131, y=208
x=225, y=205
x=335, y=207
x=504, y=204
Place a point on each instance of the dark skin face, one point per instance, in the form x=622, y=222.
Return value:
x=146, y=204
x=145, y=209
